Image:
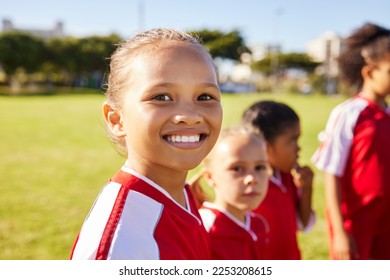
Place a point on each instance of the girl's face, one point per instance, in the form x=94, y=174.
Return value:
x=381, y=77
x=171, y=113
x=238, y=171
x=283, y=152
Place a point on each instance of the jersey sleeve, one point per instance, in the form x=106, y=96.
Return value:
x=119, y=226
x=336, y=140
x=87, y=243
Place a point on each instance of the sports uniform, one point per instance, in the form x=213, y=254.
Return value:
x=230, y=239
x=355, y=147
x=134, y=218
x=279, y=208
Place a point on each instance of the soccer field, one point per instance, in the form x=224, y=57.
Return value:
x=55, y=158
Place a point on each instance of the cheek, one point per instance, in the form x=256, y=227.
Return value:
x=214, y=120
x=213, y=116
x=222, y=178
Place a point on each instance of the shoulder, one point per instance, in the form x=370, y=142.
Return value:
x=349, y=110
x=259, y=222
x=120, y=218
x=208, y=215
x=355, y=104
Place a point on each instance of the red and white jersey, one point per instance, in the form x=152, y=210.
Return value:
x=356, y=147
x=230, y=239
x=135, y=219
x=279, y=208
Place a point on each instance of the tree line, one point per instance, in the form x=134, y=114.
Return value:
x=83, y=62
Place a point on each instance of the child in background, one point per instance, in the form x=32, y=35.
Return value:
x=163, y=110
x=355, y=152
x=287, y=206
x=237, y=170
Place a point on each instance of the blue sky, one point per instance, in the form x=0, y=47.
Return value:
x=292, y=23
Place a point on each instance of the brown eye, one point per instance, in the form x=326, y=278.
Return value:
x=162, y=97
x=205, y=97
x=261, y=167
x=237, y=168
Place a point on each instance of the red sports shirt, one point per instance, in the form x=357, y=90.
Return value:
x=356, y=147
x=230, y=239
x=134, y=218
x=279, y=208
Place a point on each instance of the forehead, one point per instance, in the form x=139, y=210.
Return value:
x=240, y=144
x=292, y=131
x=166, y=47
x=163, y=55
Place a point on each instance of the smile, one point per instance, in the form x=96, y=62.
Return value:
x=251, y=194
x=183, y=138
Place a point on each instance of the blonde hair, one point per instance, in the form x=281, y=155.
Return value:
x=242, y=130
x=120, y=71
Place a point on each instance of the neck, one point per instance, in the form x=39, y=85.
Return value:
x=373, y=97
x=234, y=211
x=170, y=180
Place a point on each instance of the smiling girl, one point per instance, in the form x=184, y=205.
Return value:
x=163, y=111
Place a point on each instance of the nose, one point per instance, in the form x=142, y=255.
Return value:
x=187, y=114
x=250, y=180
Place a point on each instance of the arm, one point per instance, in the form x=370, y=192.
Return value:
x=303, y=179
x=342, y=244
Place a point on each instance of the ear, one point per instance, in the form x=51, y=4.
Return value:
x=209, y=178
x=269, y=148
x=114, y=120
x=367, y=71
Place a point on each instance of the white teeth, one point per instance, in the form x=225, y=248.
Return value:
x=184, y=138
x=194, y=138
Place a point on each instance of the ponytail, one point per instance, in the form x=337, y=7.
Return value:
x=196, y=187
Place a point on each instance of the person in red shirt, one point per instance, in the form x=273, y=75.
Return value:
x=163, y=111
x=237, y=171
x=287, y=206
x=355, y=153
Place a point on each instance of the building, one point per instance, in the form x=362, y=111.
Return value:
x=326, y=49
x=56, y=32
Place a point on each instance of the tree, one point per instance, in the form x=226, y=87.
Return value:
x=286, y=61
x=94, y=52
x=64, y=54
x=82, y=57
x=21, y=50
x=225, y=45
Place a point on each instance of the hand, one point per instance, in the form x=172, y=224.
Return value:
x=303, y=177
x=344, y=247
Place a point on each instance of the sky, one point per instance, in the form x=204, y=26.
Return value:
x=290, y=23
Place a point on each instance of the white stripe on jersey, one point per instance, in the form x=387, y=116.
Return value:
x=95, y=223
x=135, y=240
x=208, y=218
x=333, y=153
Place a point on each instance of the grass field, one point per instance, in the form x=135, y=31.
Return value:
x=54, y=159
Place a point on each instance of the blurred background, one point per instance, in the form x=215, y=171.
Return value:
x=259, y=46
x=54, y=156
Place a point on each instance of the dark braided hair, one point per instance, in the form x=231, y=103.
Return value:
x=270, y=117
x=366, y=45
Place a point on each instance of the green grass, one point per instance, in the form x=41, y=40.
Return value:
x=54, y=159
